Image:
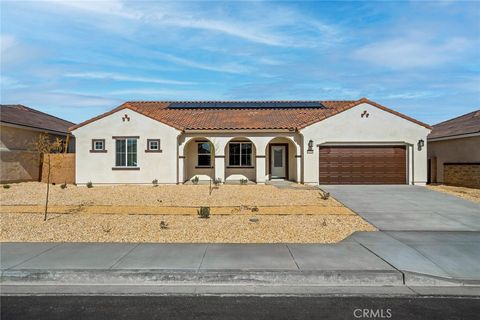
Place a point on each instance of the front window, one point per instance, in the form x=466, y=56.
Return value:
x=204, y=154
x=240, y=154
x=126, y=152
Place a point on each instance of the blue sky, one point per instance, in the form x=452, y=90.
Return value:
x=76, y=59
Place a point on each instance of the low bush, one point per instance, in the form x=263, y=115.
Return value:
x=195, y=180
x=155, y=182
x=204, y=212
x=163, y=225
x=89, y=184
x=63, y=185
x=243, y=181
x=217, y=182
x=6, y=186
x=325, y=195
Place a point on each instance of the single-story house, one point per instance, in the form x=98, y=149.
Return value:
x=20, y=127
x=454, y=151
x=311, y=142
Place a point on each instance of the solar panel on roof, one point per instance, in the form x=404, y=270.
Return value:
x=246, y=105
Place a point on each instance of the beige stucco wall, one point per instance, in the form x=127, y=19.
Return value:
x=380, y=127
x=453, y=150
x=97, y=167
x=18, y=159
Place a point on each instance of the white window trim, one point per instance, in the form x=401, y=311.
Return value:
x=126, y=153
x=240, y=165
x=102, y=145
x=153, y=142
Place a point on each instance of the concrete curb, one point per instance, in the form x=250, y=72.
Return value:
x=420, y=279
x=218, y=277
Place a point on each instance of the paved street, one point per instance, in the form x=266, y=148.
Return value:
x=238, y=307
x=413, y=208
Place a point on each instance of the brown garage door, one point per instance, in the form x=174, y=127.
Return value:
x=363, y=165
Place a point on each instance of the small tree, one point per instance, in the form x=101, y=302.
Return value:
x=45, y=147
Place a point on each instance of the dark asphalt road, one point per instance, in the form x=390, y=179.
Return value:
x=237, y=307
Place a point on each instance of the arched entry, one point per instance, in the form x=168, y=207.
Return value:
x=240, y=160
x=281, y=159
x=199, y=160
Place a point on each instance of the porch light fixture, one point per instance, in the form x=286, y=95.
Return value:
x=310, y=145
x=420, y=144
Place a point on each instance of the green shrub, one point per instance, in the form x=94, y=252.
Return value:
x=195, y=180
x=63, y=185
x=243, y=181
x=89, y=184
x=6, y=186
x=204, y=212
x=163, y=225
x=155, y=182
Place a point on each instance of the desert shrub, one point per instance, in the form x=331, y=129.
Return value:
x=107, y=228
x=63, y=185
x=89, y=184
x=155, y=182
x=243, y=181
x=195, y=180
x=6, y=186
x=163, y=225
x=217, y=181
x=325, y=195
x=204, y=212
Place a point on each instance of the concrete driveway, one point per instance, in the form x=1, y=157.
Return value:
x=408, y=208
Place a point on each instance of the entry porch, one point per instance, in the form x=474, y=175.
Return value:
x=240, y=158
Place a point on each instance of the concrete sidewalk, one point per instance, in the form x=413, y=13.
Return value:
x=364, y=259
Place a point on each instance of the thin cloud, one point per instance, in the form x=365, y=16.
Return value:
x=224, y=68
x=411, y=52
x=253, y=26
x=122, y=77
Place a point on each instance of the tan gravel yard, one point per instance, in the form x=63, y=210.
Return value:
x=471, y=194
x=33, y=193
x=134, y=213
x=181, y=228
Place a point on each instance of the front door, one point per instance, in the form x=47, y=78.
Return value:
x=278, y=161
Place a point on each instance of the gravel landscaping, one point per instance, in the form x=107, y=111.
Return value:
x=128, y=213
x=465, y=193
x=181, y=228
x=33, y=193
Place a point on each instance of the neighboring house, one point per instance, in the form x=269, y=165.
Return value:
x=454, y=151
x=20, y=128
x=326, y=142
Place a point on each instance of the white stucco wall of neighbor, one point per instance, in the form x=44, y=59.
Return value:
x=381, y=127
x=97, y=167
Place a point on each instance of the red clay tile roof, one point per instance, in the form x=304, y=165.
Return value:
x=466, y=124
x=24, y=116
x=241, y=118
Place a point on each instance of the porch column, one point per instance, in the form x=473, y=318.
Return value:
x=220, y=167
x=181, y=169
x=260, y=168
x=298, y=159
